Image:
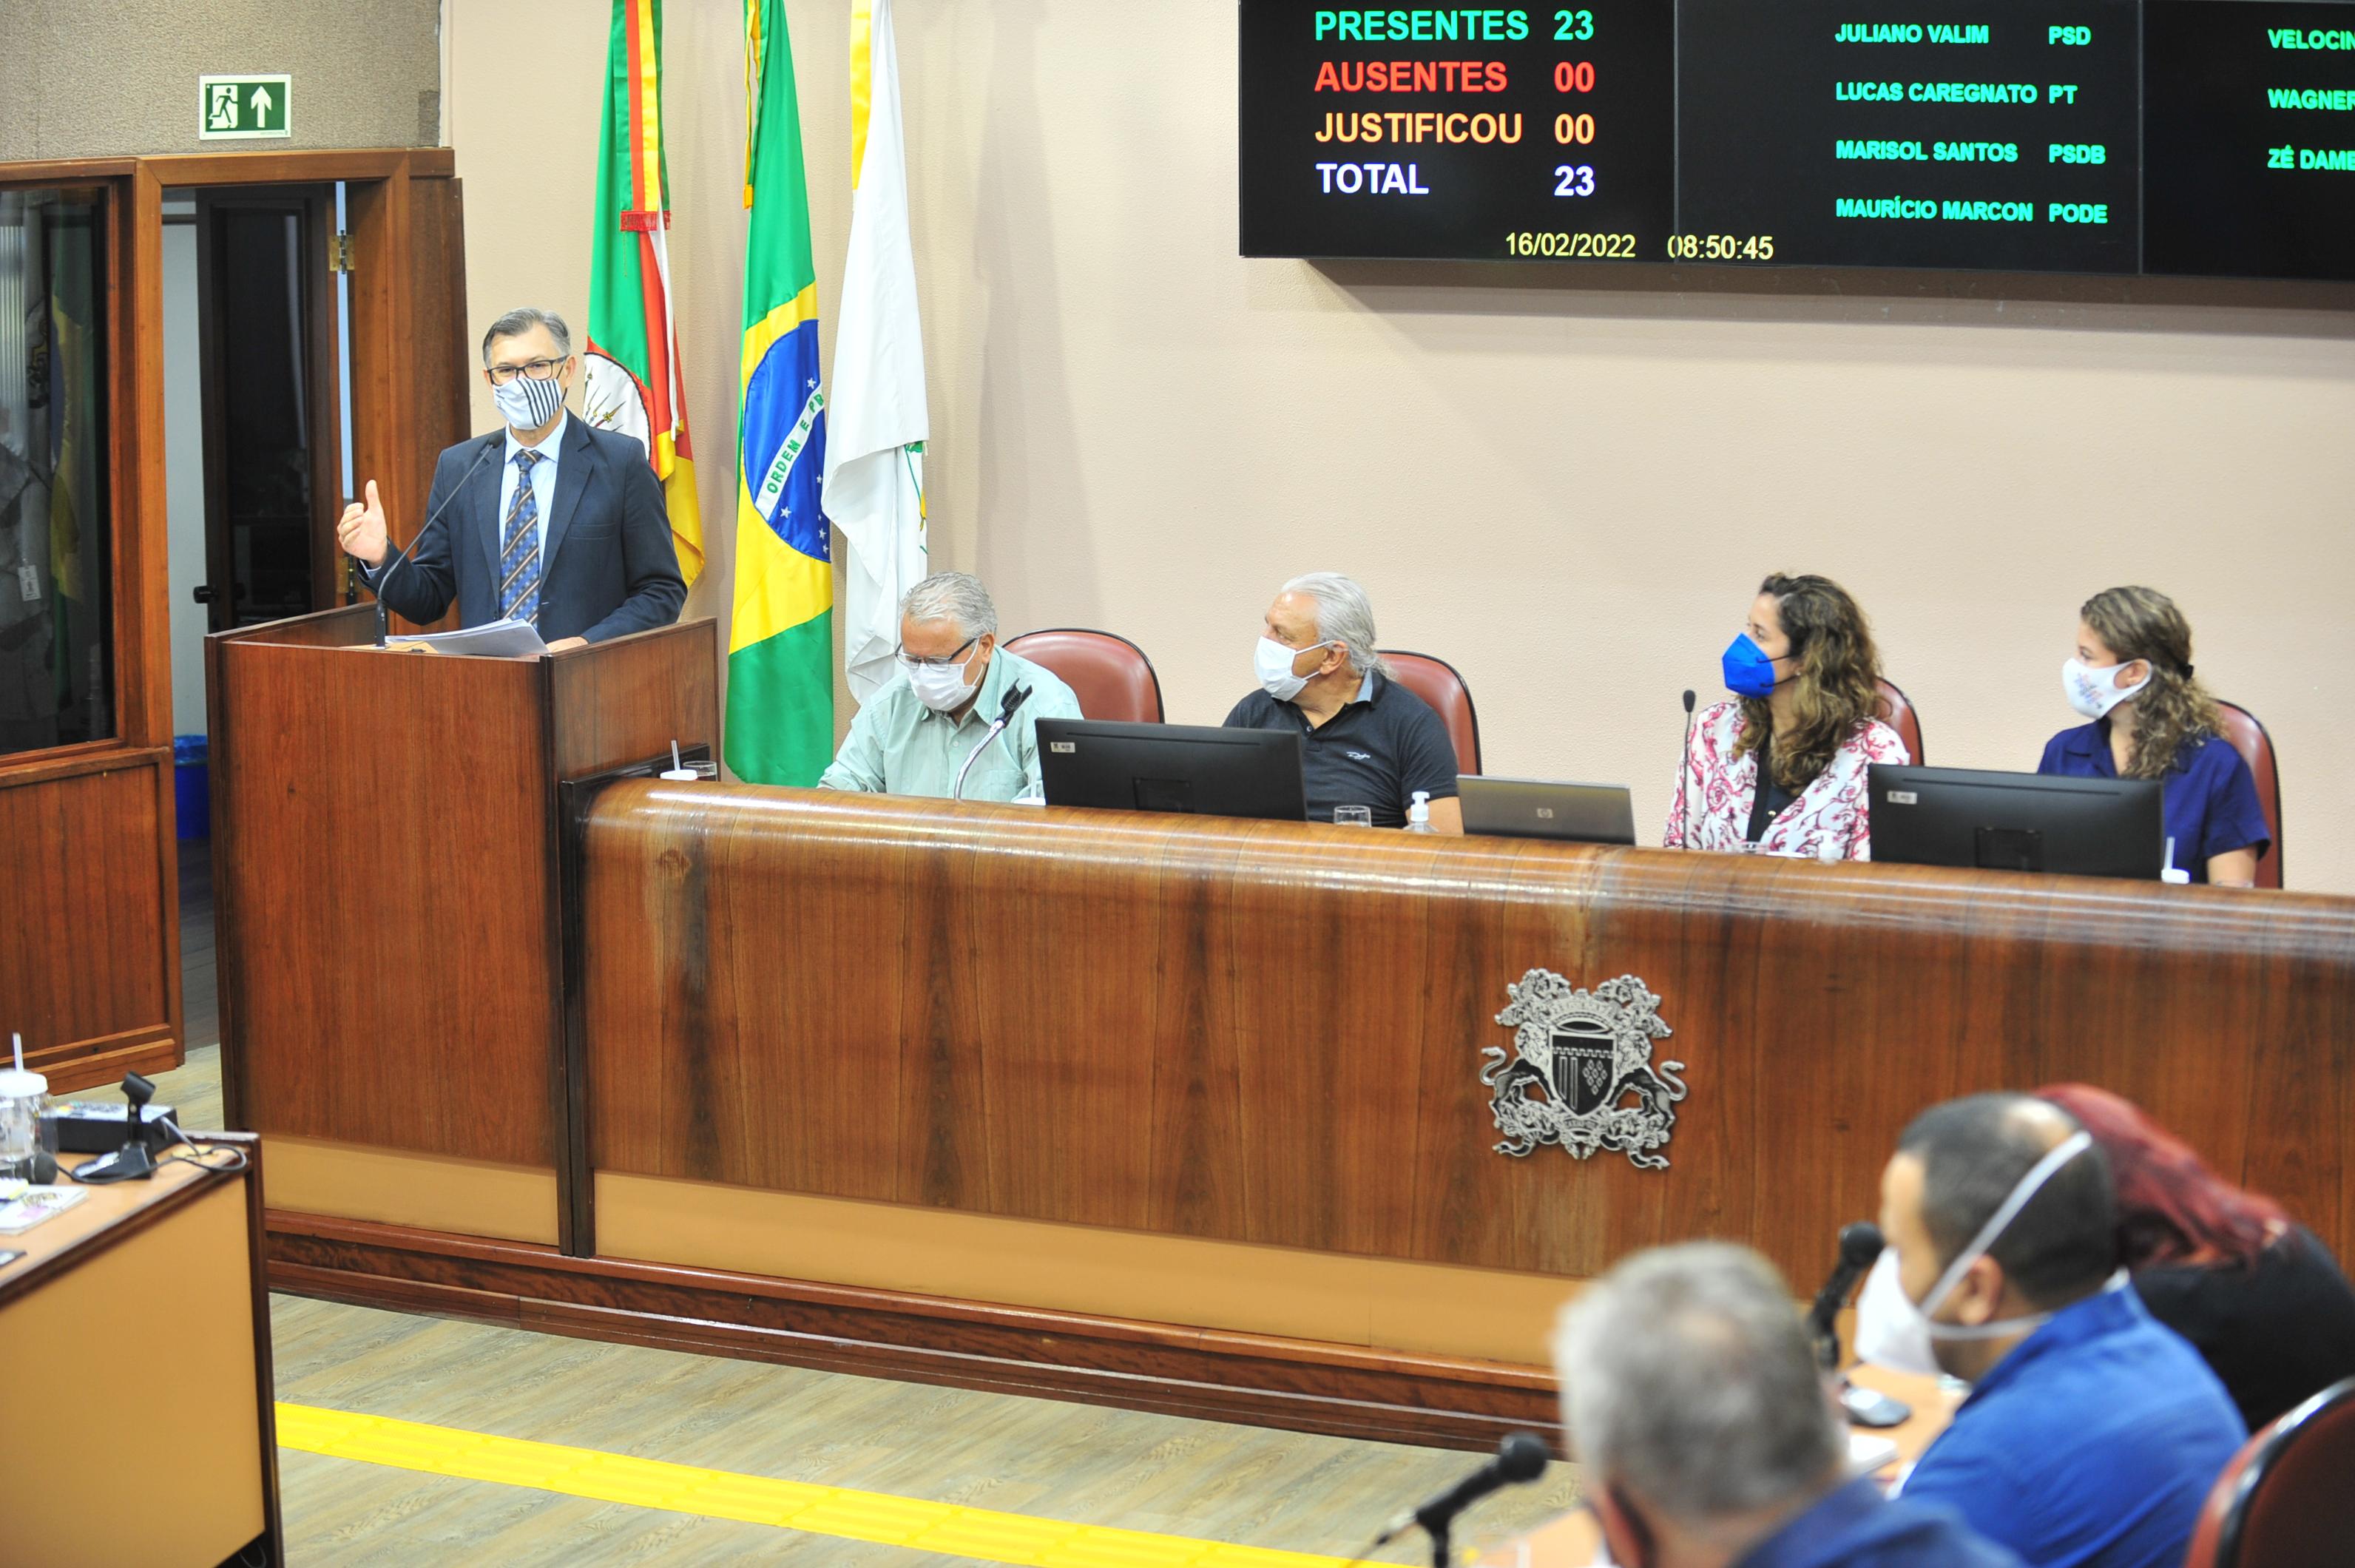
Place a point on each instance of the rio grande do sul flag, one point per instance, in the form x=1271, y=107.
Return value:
x=634, y=384
x=780, y=724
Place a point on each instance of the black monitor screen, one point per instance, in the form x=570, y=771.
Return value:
x=2201, y=137
x=2016, y=822
x=1172, y=767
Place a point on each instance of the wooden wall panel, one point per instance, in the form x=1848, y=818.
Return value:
x=81, y=967
x=1272, y=1032
x=445, y=361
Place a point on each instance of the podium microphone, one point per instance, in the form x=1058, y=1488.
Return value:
x=1684, y=791
x=1014, y=699
x=1521, y=1456
x=401, y=557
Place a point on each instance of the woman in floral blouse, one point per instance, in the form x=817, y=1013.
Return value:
x=1781, y=770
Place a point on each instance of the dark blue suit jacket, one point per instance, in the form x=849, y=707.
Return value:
x=608, y=569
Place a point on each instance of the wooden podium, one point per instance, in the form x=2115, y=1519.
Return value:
x=389, y=897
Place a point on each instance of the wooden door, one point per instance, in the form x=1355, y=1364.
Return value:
x=89, y=971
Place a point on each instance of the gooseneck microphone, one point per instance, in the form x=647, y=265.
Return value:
x=1859, y=1244
x=1521, y=1456
x=1014, y=699
x=401, y=557
x=1684, y=785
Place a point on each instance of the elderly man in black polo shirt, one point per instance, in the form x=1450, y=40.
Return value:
x=1368, y=741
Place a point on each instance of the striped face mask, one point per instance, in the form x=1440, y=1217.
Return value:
x=526, y=404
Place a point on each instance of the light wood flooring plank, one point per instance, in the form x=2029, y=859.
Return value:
x=1042, y=1457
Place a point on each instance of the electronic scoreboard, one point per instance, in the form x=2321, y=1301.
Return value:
x=2191, y=137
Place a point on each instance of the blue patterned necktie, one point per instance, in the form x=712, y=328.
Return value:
x=519, y=554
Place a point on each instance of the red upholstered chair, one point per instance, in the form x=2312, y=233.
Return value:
x=2288, y=1499
x=1110, y=675
x=1436, y=682
x=2256, y=748
x=1897, y=712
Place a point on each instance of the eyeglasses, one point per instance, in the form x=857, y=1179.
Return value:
x=537, y=369
x=913, y=662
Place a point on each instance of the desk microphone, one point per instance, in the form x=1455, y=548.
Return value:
x=1684, y=789
x=1860, y=1245
x=1521, y=1456
x=133, y=1161
x=1014, y=699
x=401, y=557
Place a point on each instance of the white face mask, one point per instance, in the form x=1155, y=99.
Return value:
x=941, y=687
x=526, y=404
x=1892, y=1332
x=2093, y=692
x=1273, y=662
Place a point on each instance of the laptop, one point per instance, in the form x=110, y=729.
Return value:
x=1535, y=808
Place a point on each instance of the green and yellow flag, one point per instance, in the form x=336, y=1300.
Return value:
x=634, y=380
x=780, y=726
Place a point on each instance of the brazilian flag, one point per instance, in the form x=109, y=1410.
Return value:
x=780, y=725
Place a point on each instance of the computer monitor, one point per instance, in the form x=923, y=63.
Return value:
x=1534, y=808
x=2016, y=822
x=1172, y=767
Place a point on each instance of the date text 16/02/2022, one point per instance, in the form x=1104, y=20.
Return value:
x=1560, y=246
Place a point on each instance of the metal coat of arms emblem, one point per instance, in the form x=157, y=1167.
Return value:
x=1577, y=1058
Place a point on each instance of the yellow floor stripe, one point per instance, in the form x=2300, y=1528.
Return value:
x=1008, y=1537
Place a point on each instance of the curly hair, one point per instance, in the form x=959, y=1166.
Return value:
x=2174, y=712
x=1835, y=690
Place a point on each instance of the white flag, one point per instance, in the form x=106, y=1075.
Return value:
x=878, y=423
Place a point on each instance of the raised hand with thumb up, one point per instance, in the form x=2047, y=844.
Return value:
x=361, y=532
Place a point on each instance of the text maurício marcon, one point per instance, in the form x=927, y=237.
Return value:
x=1923, y=209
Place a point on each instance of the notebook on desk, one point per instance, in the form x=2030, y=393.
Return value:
x=1537, y=808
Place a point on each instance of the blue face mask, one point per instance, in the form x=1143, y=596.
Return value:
x=1748, y=671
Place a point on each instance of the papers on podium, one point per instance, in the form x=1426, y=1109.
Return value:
x=496, y=640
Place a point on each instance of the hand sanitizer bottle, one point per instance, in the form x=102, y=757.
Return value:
x=1418, y=815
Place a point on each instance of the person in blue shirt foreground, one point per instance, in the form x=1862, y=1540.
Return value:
x=2132, y=676
x=2092, y=1434
x=1707, y=1437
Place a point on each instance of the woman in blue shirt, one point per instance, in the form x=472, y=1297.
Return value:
x=2151, y=720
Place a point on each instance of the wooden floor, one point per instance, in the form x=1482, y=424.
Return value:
x=1191, y=1478
x=200, y=993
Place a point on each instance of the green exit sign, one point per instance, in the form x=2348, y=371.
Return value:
x=240, y=107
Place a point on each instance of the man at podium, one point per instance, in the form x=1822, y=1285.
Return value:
x=548, y=521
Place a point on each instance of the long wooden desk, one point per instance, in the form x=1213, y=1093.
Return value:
x=137, y=1378
x=1191, y=1115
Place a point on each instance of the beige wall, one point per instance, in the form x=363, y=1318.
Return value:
x=1569, y=492
x=81, y=79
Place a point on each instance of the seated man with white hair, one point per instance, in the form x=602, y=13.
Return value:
x=1705, y=1438
x=1367, y=740
x=917, y=734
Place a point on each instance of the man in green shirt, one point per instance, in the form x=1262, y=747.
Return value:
x=915, y=735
